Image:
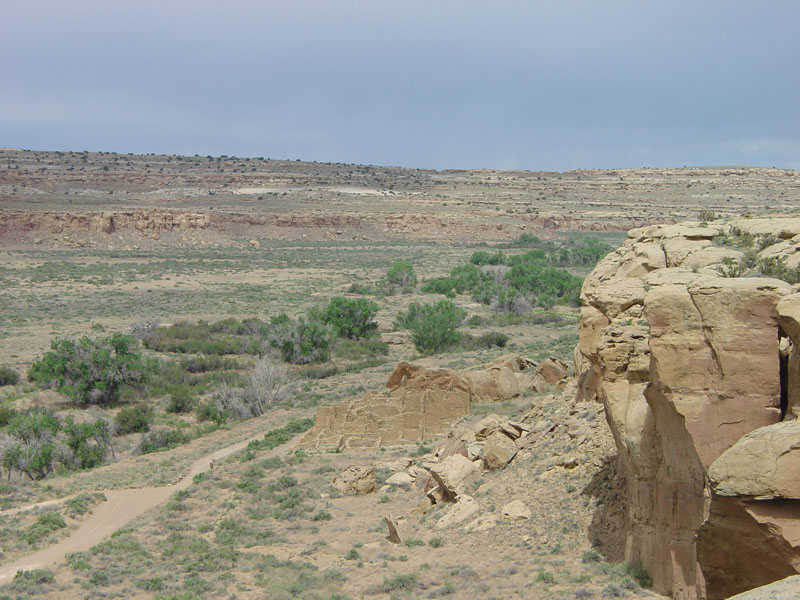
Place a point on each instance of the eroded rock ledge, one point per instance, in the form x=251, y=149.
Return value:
x=698, y=371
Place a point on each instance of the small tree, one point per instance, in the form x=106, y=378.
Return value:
x=401, y=274
x=433, y=326
x=32, y=450
x=351, y=318
x=88, y=443
x=92, y=371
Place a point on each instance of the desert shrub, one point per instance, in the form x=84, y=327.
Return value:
x=45, y=525
x=439, y=285
x=79, y=505
x=303, y=341
x=269, y=384
x=403, y=581
x=486, y=340
x=181, y=401
x=23, y=580
x=433, y=326
x=92, y=371
x=8, y=376
x=7, y=412
x=355, y=349
x=318, y=371
x=209, y=411
x=351, y=318
x=203, y=363
x=143, y=330
x=765, y=241
x=529, y=276
x=545, y=577
x=526, y=240
x=134, y=419
x=401, y=274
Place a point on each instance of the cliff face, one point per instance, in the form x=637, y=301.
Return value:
x=688, y=359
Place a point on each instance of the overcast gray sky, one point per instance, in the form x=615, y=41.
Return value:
x=550, y=85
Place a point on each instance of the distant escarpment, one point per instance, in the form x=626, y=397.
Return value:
x=689, y=336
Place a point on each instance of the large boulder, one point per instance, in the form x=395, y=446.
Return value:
x=499, y=450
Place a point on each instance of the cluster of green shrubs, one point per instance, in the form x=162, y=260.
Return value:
x=513, y=284
x=92, y=371
x=40, y=440
x=434, y=328
x=584, y=251
x=306, y=339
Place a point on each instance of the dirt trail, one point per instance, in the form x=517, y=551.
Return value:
x=120, y=508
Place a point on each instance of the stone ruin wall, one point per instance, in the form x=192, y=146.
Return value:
x=422, y=402
x=686, y=363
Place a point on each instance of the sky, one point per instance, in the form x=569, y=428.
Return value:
x=535, y=85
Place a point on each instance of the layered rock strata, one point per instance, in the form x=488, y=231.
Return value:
x=687, y=358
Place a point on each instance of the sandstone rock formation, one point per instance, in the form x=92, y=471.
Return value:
x=421, y=402
x=687, y=361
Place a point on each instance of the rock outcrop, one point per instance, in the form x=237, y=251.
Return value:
x=686, y=357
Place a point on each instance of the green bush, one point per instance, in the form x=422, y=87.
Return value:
x=482, y=257
x=33, y=449
x=401, y=274
x=181, y=401
x=89, y=442
x=209, y=411
x=92, y=371
x=8, y=376
x=433, y=326
x=134, y=419
x=351, y=318
x=161, y=439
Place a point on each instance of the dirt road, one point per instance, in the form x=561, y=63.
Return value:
x=120, y=508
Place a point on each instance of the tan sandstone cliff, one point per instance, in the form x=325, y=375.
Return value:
x=691, y=349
